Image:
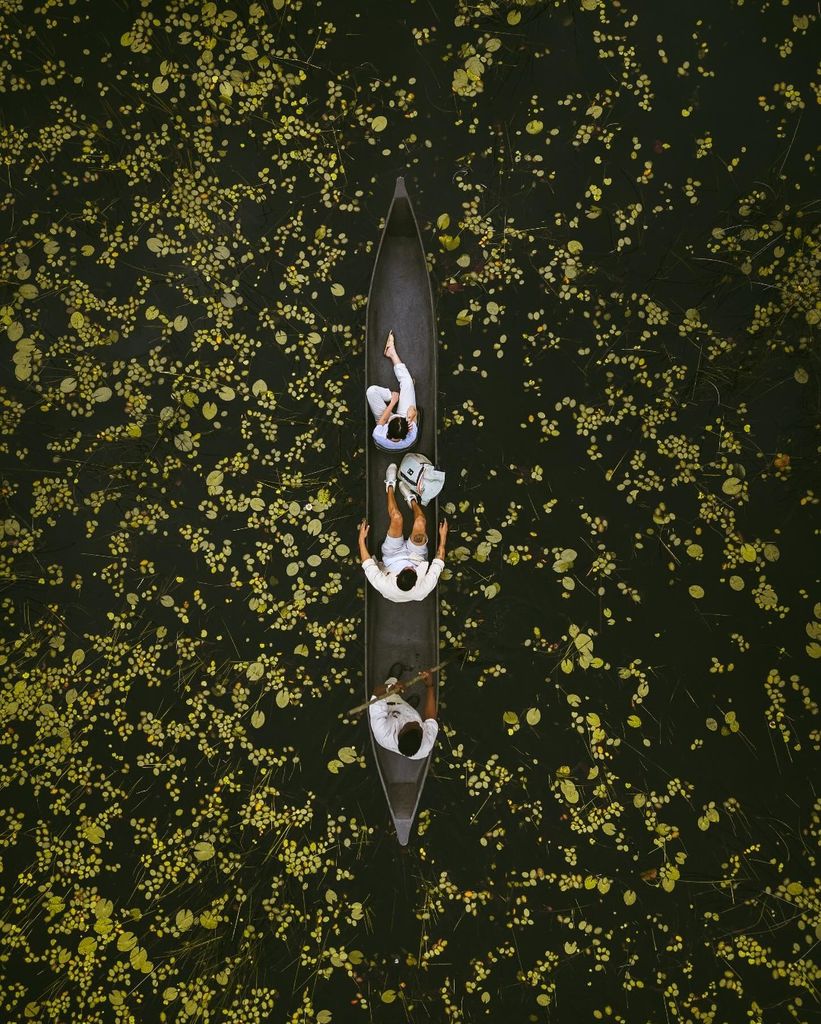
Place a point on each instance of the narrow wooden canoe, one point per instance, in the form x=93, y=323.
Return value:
x=400, y=297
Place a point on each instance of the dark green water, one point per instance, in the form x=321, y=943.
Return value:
x=619, y=207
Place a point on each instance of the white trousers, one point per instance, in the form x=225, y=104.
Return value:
x=379, y=398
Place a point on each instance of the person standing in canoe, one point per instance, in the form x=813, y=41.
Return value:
x=399, y=727
x=395, y=411
x=404, y=573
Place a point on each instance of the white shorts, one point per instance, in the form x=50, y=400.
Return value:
x=398, y=552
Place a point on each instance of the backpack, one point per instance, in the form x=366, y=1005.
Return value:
x=418, y=471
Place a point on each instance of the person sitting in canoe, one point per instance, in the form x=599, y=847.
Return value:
x=395, y=411
x=404, y=573
x=399, y=727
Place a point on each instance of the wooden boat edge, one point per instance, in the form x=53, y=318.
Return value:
x=403, y=825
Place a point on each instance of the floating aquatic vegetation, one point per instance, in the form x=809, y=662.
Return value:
x=619, y=816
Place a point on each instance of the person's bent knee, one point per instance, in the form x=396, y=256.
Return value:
x=419, y=538
x=396, y=517
x=373, y=391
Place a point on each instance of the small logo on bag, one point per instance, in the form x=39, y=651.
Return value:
x=419, y=471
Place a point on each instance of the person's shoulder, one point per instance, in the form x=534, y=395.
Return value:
x=385, y=583
x=430, y=730
x=379, y=578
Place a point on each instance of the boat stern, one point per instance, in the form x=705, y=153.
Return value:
x=403, y=829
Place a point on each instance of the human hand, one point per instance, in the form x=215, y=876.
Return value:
x=394, y=397
x=427, y=677
x=443, y=531
x=411, y=416
x=363, y=530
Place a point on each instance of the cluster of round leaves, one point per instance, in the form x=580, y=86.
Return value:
x=183, y=518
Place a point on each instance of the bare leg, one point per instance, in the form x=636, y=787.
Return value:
x=419, y=533
x=390, y=350
x=396, y=528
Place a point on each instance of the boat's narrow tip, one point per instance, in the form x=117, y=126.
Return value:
x=400, y=189
x=403, y=829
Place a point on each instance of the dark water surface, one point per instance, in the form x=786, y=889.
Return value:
x=619, y=208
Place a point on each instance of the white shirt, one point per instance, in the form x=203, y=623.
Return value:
x=385, y=581
x=381, y=440
x=388, y=718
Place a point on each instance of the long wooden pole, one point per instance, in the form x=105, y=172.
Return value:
x=399, y=687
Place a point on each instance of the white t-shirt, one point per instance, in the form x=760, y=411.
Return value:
x=388, y=718
x=381, y=439
x=384, y=580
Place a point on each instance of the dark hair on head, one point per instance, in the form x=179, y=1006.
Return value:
x=397, y=428
x=406, y=580
x=410, y=741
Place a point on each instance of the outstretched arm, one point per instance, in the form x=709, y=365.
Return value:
x=363, y=541
x=429, y=710
x=443, y=536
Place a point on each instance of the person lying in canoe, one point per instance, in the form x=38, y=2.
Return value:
x=399, y=727
x=404, y=573
x=395, y=411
